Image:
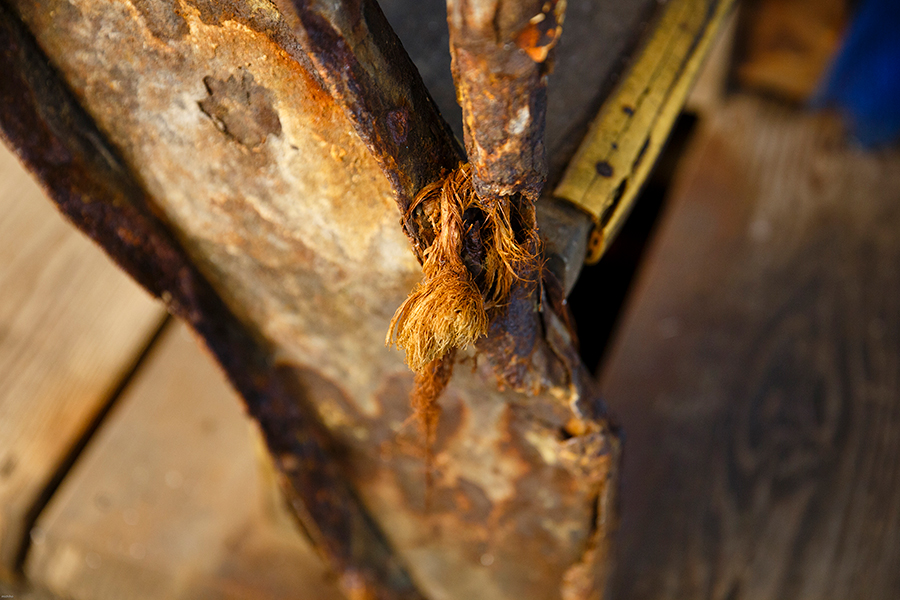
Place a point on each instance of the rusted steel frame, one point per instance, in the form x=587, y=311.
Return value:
x=498, y=448
x=530, y=343
x=82, y=173
x=502, y=51
x=360, y=60
x=362, y=63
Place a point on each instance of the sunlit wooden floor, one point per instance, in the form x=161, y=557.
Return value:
x=127, y=468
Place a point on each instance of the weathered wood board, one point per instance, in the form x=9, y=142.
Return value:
x=71, y=327
x=175, y=498
x=756, y=372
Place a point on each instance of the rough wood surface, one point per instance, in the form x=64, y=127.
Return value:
x=71, y=327
x=289, y=262
x=756, y=372
x=175, y=497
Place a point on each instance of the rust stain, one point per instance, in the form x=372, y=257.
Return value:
x=241, y=108
x=163, y=18
x=214, y=12
x=398, y=125
x=542, y=32
x=363, y=65
x=502, y=52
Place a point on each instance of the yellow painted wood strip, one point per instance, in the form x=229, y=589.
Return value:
x=625, y=139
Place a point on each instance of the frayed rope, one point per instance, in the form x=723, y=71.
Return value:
x=429, y=385
x=468, y=271
x=449, y=308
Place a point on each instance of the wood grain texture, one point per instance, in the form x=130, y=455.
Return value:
x=71, y=327
x=175, y=497
x=757, y=372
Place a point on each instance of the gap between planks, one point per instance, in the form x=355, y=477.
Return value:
x=72, y=327
x=175, y=497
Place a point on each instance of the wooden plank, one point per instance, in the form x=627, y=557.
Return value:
x=175, y=498
x=785, y=46
x=71, y=326
x=615, y=158
x=756, y=372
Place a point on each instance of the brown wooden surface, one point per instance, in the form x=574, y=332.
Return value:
x=71, y=327
x=175, y=498
x=785, y=46
x=756, y=372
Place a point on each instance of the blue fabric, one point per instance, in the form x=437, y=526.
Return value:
x=863, y=82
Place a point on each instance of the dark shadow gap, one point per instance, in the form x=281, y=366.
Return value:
x=68, y=462
x=602, y=289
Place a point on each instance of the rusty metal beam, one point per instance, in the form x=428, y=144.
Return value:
x=259, y=207
x=92, y=186
x=502, y=53
x=363, y=65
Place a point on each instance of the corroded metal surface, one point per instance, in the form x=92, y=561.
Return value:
x=591, y=54
x=364, y=67
x=92, y=186
x=247, y=174
x=502, y=53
